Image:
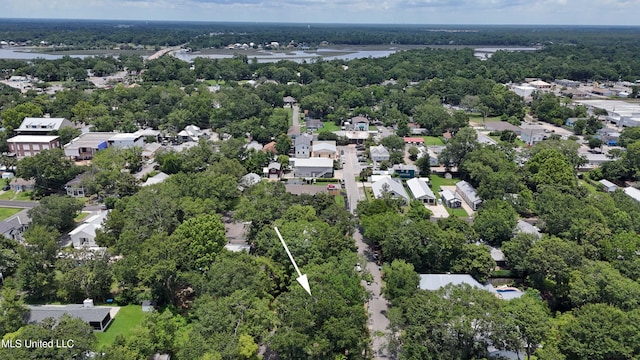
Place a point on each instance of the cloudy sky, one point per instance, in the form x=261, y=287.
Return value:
x=570, y=12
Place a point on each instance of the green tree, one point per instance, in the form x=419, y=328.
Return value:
x=67, y=134
x=495, y=221
x=198, y=240
x=57, y=212
x=12, y=309
x=463, y=142
x=400, y=280
x=36, y=272
x=50, y=169
x=283, y=144
x=13, y=117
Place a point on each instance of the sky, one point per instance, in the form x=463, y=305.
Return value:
x=490, y=12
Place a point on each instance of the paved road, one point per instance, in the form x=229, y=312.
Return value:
x=377, y=305
x=295, y=127
x=18, y=204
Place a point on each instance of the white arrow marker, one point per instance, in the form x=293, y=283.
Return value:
x=302, y=279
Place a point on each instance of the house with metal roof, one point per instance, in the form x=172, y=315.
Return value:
x=469, y=194
x=608, y=185
x=632, y=193
x=390, y=186
x=98, y=317
x=84, y=235
x=42, y=126
x=379, y=153
x=421, y=191
x=450, y=199
x=324, y=149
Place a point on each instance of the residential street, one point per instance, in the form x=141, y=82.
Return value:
x=377, y=304
x=18, y=204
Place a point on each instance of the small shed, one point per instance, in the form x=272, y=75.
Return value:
x=608, y=186
x=148, y=306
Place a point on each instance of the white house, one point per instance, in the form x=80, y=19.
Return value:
x=312, y=167
x=324, y=149
x=126, y=140
x=302, y=146
x=632, y=193
x=84, y=236
x=450, y=199
x=421, y=191
x=379, y=153
x=469, y=194
x=389, y=185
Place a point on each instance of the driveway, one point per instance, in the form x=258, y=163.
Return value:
x=377, y=305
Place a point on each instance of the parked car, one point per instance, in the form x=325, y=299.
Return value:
x=6, y=187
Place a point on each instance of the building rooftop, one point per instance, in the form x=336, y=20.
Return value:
x=89, y=140
x=632, y=193
x=124, y=137
x=420, y=189
x=312, y=162
x=37, y=313
x=388, y=184
x=469, y=191
x=32, y=139
x=42, y=124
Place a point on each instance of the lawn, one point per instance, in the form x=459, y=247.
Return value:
x=478, y=119
x=438, y=181
x=432, y=140
x=459, y=212
x=290, y=112
x=125, y=321
x=592, y=189
x=11, y=195
x=330, y=126
x=6, y=212
x=340, y=200
x=81, y=216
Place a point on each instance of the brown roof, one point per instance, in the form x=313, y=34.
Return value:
x=270, y=147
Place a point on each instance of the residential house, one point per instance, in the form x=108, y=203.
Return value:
x=595, y=160
x=574, y=94
x=84, y=235
x=413, y=140
x=98, y=317
x=75, y=187
x=86, y=145
x=609, y=136
x=273, y=170
x=302, y=145
x=632, y=193
x=469, y=194
x=421, y=191
x=568, y=83
x=502, y=126
x=149, y=151
x=388, y=185
x=405, y=171
x=20, y=184
x=313, y=124
x=498, y=256
x=533, y=134
x=324, y=149
x=526, y=228
x=191, y=133
x=126, y=141
x=450, y=200
x=149, y=134
x=30, y=145
x=359, y=123
x=42, y=126
x=524, y=90
x=433, y=282
x=249, y=180
x=270, y=147
x=379, y=153
x=289, y=100
x=156, y=179
x=253, y=145
x=312, y=167
x=540, y=85
x=570, y=122
x=14, y=226
x=608, y=186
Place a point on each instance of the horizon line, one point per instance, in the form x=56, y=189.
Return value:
x=315, y=23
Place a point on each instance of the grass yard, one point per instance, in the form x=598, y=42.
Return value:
x=329, y=126
x=6, y=212
x=125, y=321
x=432, y=140
x=290, y=112
x=592, y=189
x=478, y=119
x=214, y=82
x=81, y=216
x=11, y=195
x=340, y=200
x=438, y=181
x=459, y=212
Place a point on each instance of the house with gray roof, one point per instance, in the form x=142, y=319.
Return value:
x=632, y=193
x=14, y=226
x=390, y=186
x=302, y=146
x=526, y=228
x=421, y=191
x=450, y=199
x=469, y=194
x=325, y=149
x=84, y=235
x=379, y=153
x=98, y=317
